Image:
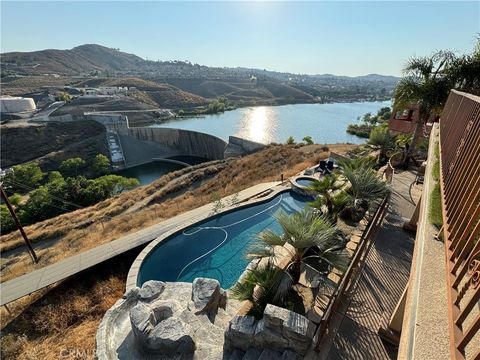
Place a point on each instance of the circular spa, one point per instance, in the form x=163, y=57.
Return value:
x=305, y=181
x=301, y=184
x=216, y=247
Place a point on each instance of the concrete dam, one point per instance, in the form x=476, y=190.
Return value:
x=132, y=146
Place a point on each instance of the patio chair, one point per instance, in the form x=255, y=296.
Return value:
x=322, y=166
x=329, y=169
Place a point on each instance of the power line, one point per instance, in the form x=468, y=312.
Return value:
x=66, y=202
x=26, y=187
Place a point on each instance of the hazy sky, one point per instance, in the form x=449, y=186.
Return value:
x=345, y=38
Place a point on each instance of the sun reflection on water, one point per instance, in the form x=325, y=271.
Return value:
x=258, y=124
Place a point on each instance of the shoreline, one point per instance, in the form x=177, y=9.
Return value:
x=177, y=117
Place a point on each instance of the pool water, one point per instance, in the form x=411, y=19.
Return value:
x=304, y=182
x=217, y=248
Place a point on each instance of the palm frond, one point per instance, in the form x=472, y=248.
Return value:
x=283, y=287
x=259, y=251
x=327, y=183
x=336, y=258
x=271, y=238
x=365, y=186
x=357, y=163
x=242, y=290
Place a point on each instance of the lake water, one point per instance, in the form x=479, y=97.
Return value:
x=148, y=173
x=325, y=123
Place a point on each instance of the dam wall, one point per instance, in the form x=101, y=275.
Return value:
x=238, y=146
x=184, y=142
x=141, y=145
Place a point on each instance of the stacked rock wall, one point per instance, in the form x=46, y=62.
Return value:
x=280, y=329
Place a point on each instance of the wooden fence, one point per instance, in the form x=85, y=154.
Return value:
x=460, y=192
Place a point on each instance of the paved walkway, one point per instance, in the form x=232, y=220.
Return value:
x=353, y=333
x=26, y=284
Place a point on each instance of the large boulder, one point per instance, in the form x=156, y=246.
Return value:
x=142, y=320
x=151, y=290
x=299, y=331
x=132, y=294
x=171, y=337
x=240, y=332
x=207, y=295
x=155, y=327
x=267, y=337
x=298, y=328
x=280, y=329
x=275, y=316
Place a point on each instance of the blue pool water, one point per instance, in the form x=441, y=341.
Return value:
x=304, y=182
x=216, y=248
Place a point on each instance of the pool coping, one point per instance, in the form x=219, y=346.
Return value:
x=253, y=199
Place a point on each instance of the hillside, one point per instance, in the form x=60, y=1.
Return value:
x=27, y=84
x=150, y=92
x=51, y=143
x=81, y=59
x=246, y=91
x=245, y=85
x=166, y=197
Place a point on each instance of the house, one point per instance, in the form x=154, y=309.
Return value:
x=404, y=121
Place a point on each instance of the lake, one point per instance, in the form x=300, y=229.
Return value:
x=148, y=173
x=325, y=123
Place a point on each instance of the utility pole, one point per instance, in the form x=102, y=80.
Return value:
x=19, y=225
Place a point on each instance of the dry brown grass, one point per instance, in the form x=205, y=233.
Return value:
x=64, y=321
x=170, y=195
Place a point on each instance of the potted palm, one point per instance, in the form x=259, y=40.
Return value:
x=306, y=235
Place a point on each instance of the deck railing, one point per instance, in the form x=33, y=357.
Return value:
x=460, y=189
x=359, y=258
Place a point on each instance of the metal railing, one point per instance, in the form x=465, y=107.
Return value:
x=359, y=257
x=460, y=193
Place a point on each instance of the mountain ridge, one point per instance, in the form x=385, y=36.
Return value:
x=244, y=86
x=93, y=57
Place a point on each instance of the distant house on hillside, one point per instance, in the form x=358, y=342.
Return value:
x=112, y=90
x=404, y=121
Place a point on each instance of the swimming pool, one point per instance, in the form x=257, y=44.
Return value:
x=216, y=248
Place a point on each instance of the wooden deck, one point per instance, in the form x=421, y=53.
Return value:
x=353, y=331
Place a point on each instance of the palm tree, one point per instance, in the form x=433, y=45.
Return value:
x=310, y=236
x=357, y=163
x=258, y=285
x=403, y=142
x=326, y=188
x=427, y=83
x=382, y=140
x=364, y=186
x=465, y=71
